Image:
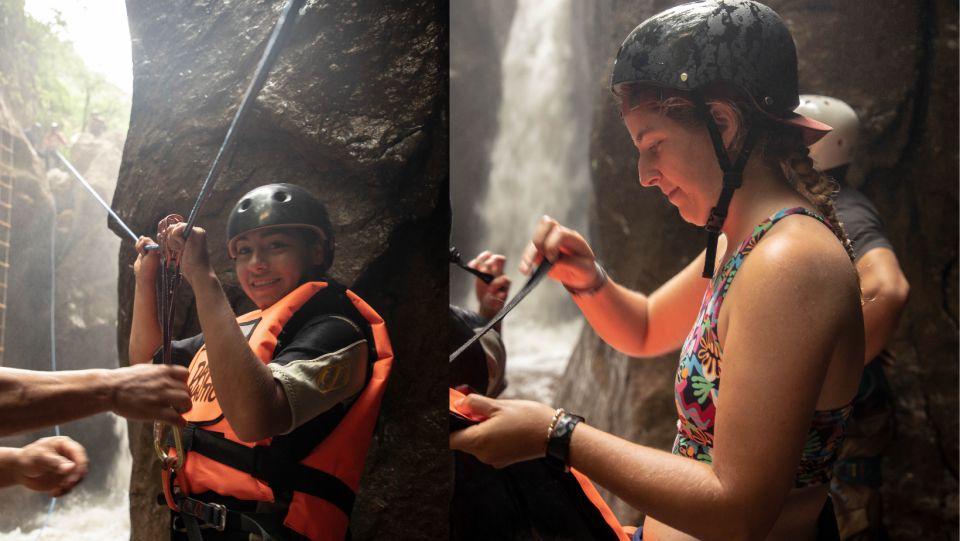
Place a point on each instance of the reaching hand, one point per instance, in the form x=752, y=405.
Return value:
x=577, y=267
x=54, y=465
x=148, y=392
x=514, y=430
x=194, y=257
x=147, y=263
x=493, y=295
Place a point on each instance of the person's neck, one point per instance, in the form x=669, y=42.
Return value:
x=763, y=193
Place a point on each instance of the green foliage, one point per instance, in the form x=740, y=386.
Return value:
x=44, y=80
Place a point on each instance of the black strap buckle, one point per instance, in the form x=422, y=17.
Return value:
x=213, y=514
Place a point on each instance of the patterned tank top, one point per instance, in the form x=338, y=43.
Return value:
x=697, y=386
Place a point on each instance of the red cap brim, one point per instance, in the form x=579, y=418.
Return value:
x=812, y=129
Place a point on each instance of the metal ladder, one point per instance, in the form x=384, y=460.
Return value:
x=6, y=219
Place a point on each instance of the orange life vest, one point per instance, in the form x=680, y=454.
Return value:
x=323, y=484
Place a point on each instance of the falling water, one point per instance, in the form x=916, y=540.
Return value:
x=540, y=165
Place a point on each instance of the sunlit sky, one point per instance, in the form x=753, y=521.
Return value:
x=98, y=30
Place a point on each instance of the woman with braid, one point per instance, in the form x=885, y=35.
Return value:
x=707, y=92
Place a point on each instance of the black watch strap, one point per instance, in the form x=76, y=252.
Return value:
x=558, y=444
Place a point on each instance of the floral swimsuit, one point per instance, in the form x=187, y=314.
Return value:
x=697, y=387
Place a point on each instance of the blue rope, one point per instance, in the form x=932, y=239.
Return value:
x=53, y=338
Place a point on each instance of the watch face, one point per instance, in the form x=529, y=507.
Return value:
x=563, y=430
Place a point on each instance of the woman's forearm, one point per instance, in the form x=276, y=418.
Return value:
x=618, y=315
x=253, y=402
x=682, y=493
x=146, y=335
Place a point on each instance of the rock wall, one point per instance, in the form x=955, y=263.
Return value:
x=896, y=64
x=355, y=110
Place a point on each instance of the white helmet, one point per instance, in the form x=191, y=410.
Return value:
x=836, y=147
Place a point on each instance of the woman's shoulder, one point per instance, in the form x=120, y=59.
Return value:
x=804, y=252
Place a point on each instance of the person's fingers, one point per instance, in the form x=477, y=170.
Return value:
x=529, y=259
x=178, y=372
x=479, y=260
x=496, y=264
x=465, y=440
x=542, y=231
x=500, y=287
x=477, y=406
x=72, y=451
x=553, y=241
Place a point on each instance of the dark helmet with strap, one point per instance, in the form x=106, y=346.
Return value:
x=281, y=205
x=717, y=45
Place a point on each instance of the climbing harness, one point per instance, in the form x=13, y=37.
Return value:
x=456, y=260
x=535, y=279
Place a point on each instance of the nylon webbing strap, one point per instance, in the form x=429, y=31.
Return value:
x=280, y=472
x=456, y=260
x=732, y=179
x=535, y=279
x=288, y=18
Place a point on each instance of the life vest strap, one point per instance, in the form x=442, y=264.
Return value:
x=277, y=469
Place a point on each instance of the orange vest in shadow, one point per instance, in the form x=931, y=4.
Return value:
x=325, y=481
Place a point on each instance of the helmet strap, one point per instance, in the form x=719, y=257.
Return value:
x=732, y=179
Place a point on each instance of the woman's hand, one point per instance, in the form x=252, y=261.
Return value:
x=574, y=263
x=493, y=295
x=54, y=465
x=194, y=257
x=147, y=263
x=514, y=430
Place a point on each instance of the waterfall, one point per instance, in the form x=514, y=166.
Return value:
x=540, y=165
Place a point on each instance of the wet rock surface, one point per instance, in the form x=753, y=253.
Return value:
x=898, y=68
x=355, y=110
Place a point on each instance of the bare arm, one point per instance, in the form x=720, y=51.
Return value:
x=145, y=333
x=885, y=290
x=633, y=323
x=31, y=400
x=251, y=399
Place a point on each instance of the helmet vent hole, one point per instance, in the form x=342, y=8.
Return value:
x=245, y=204
x=281, y=196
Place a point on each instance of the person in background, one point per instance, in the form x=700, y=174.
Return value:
x=482, y=368
x=857, y=474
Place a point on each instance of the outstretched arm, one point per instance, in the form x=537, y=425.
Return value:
x=251, y=399
x=31, y=400
x=633, y=323
x=145, y=333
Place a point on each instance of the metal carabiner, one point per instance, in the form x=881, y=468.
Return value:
x=169, y=462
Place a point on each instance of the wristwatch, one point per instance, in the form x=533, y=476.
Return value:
x=558, y=443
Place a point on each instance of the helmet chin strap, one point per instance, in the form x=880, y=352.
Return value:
x=732, y=179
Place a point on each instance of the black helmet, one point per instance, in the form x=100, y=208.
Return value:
x=734, y=42
x=710, y=46
x=281, y=205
